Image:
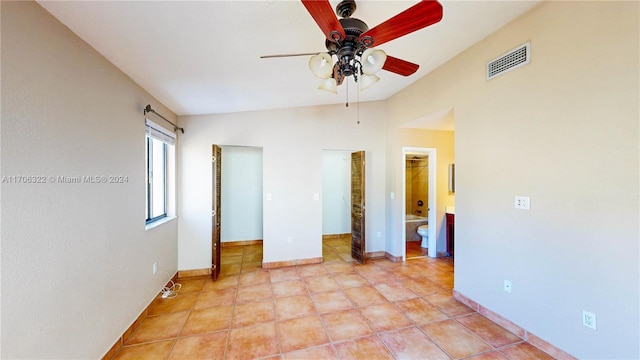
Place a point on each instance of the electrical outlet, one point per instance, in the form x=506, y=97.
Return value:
x=522, y=202
x=589, y=320
x=290, y=240
x=507, y=286
x=379, y=234
x=155, y=267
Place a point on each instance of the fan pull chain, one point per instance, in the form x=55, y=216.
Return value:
x=347, y=82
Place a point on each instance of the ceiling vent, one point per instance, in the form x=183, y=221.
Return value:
x=512, y=60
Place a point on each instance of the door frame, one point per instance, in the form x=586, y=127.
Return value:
x=433, y=241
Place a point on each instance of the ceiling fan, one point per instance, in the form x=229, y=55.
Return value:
x=352, y=42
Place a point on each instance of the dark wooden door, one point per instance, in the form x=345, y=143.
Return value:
x=216, y=165
x=357, y=207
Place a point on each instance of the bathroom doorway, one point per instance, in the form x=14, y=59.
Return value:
x=419, y=202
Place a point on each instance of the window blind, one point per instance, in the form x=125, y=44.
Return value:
x=158, y=132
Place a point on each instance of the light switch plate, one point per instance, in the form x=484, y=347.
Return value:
x=522, y=202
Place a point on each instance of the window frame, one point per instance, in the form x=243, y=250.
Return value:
x=155, y=137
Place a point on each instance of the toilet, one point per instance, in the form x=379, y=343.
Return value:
x=423, y=231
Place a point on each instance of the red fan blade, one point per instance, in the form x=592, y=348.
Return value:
x=421, y=15
x=400, y=66
x=326, y=19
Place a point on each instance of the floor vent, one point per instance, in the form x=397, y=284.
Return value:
x=512, y=60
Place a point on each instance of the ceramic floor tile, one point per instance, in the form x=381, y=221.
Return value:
x=250, y=267
x=294, y=306
x=395, y=291
x=365, y=295
x=222, y=283
x=289, y=288
x=375, y=277
x=331, y=301
x=350, y=280
x=370, y=348
x=420, y=311
x=383, y=317
x=208, y=320
x=344, y=325
x=253, y=342
x=255, y=278
x=254, y=293
x=205, y=346
x=182, y=302
x=255, y=257
x=338, y=267
x=231, y=251
x=423, y=286
x=492, y=355
x=191, y=285
x=311, y=270
x=301, y=333
x=158, y=327
x=320, y=283
x=448, y=305
x=411, y=343
x=226, y=259
x=229, y=270
x=216, y=298
x=156, y=350
x=524, y=351
x=324, y=352
x=489, y=331
x=455, y=339
x=284, y=274
x=253, y=313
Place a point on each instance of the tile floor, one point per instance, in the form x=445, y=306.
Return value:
x=334, y=310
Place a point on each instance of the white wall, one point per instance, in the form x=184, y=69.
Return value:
x=336, y=192
x=76, y=259
x=564, y=131
x=292, y=141
x=241, y=198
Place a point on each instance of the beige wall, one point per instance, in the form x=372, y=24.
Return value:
x=292, y=142
x=76, y=259
x=564, y=131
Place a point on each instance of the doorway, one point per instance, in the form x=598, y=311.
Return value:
x=419, y=207
x=237, y=210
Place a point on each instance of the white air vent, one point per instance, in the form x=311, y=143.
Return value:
x=509, y=61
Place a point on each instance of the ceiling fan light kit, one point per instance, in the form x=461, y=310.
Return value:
x=352, y=42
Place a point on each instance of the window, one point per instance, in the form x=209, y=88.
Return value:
x=158, y=152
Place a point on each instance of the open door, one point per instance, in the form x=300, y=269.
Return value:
x=216, y=166
x=357, y=207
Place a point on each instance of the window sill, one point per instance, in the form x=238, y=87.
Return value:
x=160, y=222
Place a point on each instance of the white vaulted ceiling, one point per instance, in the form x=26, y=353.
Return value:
x=203, y=57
